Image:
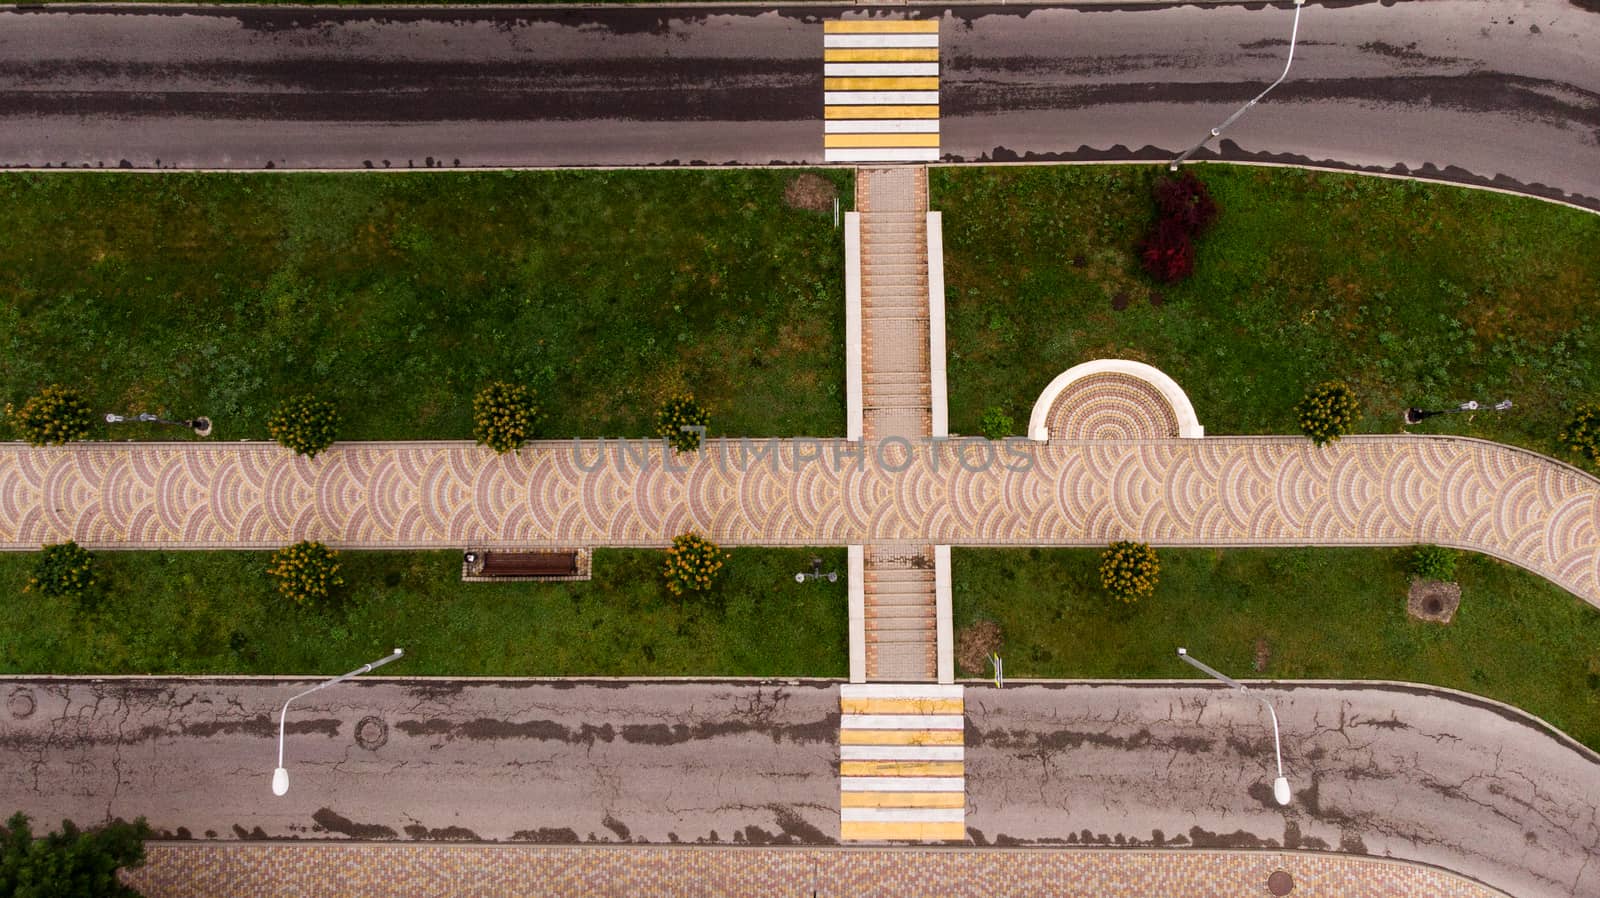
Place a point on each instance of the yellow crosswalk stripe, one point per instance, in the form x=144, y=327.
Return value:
x=901, y=737
x=881, y=26
x=913, y=832
x=897, y=705
x=901, y=768
x=881, y=54
x=902, y=799
x=881, y=112
x=870, y=83
x=880, y=140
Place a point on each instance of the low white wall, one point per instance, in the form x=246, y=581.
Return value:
x=856, y=572
x=1188, y=424
x=936, y=356
x=852, y=325
x=944, y=623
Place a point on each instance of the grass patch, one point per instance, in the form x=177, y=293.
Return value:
x=1325, y=613
x=1415, y=294
x=399, y=296
x=218, y=613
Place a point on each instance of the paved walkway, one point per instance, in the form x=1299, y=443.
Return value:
x=1217, y=491
x=175, y=870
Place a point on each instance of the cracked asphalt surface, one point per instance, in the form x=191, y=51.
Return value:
x=1384, y=770
x=1488, y=92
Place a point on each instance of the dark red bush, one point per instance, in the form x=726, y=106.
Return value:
x=1186, y=200
x=1167, y=254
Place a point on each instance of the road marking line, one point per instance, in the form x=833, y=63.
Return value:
x=902, y=768
x=882, y=154
x=880, y=97
x=905, y=832
x=831, y=141
x=879, y=69
x=900, y=705
x=881, y=126
x=902, y=722
x=900, y=690
x=903, y=784
x=880, y=112
x=880, y=26
x=901, y=752
x=901, y=737
x=902, y=799
x=881, y=54
x=880, y=41
x=902, y=815
x=881, y=84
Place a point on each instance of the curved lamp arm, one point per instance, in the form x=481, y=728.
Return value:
x=280, y=776
x=1280, y=786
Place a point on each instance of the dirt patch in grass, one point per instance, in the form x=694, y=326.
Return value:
x=812, y=193
x=975, y=644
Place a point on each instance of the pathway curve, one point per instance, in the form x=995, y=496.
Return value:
x=1218, y=491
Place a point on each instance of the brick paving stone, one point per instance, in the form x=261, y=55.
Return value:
x=279, y=870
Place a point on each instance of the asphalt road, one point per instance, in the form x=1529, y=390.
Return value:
x=1389, y=771
x=1479, y=90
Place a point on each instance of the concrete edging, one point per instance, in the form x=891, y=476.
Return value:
x=938, y=385
x=856, y=585
x=1188, y=424
x=852, y=325
x=944, y=618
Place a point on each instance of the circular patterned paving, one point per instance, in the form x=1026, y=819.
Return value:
x=1111, y=406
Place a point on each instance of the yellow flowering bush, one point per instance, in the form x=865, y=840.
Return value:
x=1328, y=412
x=307, y=573
x=304, y=424
x=63, y=570
x=57, y=415
x=694, y=564
x=503, y=416
x=1129, y=570
x=680, y=412
x=1582, y=433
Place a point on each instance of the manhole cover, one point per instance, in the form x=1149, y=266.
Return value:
x=1280, y=883
x=371, y=733
x=20, y=704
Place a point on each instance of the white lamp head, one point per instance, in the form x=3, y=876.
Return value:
x=1280, y=790
x=280, y=782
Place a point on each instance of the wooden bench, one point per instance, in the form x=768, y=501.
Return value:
x=529, y=564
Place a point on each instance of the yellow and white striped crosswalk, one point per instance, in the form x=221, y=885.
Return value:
x=880, y=90
x=902, y=765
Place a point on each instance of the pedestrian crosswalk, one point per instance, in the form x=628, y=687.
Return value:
x=880, y=90
x=902, y=766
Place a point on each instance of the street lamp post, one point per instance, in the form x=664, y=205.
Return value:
x=1294, y=33
x=1417, y=415
x=1280, y=786
x=201, y=426
x=816, y=572
x=280, y=776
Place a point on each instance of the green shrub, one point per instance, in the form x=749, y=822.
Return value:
x=996, y=424
x=1433, y=563
x=694, y=564
x=1328, y=412
x=57, y=415
x=1582, y=433
x=504, y=416
x=1129, y=571
x=677, y=413
x=71, y=863
x=307, y=573
x=304, y=424
x=63, y=570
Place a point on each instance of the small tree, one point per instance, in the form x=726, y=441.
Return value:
x=1328, y=412
x=504, y=416
x=57, y=415
x=307, y=573
x=677, y=413
x=305, y=424
x=1433, y=563
x=1582, y=433
x=70, y=863
x=996, y=424
x=1129, y=570
x=694, y=564
x=64, y=570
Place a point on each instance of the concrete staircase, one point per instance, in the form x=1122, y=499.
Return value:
x=901, y=621
x=894, y=302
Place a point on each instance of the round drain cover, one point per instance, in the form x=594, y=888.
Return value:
x=1280, y=883
x=372, y=733
x=20, y=704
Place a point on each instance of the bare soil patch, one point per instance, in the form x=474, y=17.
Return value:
x=813, y=193
x=1433, y=600
x=975, y=644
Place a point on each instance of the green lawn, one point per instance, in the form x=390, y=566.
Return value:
x=216, y=613
x=1415, y=294
x=399, y=295
x=1325, y=613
